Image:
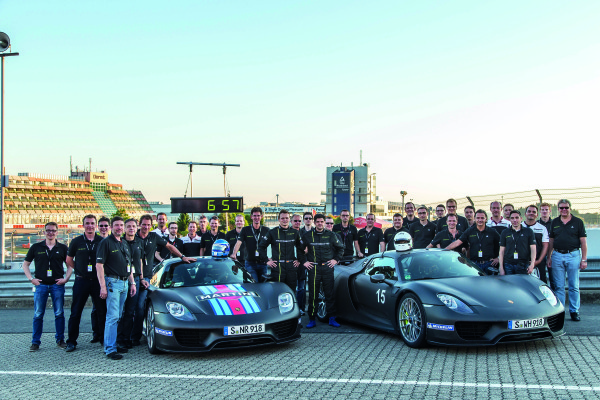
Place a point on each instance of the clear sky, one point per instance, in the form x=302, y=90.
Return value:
x=445, y=99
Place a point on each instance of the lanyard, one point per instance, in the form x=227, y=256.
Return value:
x=48, y=255
x=516, y=241
x=90, y=258
x=479, y=237
x=256, y=236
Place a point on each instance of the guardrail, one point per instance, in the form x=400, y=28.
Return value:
x=14, y=284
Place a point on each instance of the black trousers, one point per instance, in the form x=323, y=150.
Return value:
x=286, y=272
x=319, y=275
x=82, y=289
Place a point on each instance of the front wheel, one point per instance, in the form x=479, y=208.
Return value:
x=150, y=331
x=412, y=320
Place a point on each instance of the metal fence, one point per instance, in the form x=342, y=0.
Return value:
x=585, y=201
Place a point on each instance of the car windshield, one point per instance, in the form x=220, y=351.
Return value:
x=436, y=265
x=206, y=271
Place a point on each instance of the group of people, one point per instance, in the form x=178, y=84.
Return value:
x=113, y=266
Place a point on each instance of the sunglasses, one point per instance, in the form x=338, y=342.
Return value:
x=307, y=218
x=564, y=208
x=328, y=223
x=51, y=231
x=102, y=226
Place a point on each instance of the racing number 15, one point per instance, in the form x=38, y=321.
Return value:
x=380, y=296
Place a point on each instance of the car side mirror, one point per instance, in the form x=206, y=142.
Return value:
x=377, y=278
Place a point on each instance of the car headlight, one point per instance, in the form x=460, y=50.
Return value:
x=454, y=304
x=180, y=311
x=549, y=295
x=286, y=303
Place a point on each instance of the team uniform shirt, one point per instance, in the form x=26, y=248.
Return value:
x=83, y=252
x=232, y=237
x=406, y=223
x=498, y=226
x=322, y=246
x=191, y=247
x=164, y=252
x=251, y=237
x=541, y=236
x=389, y=234
x=115, y=255
x=547, y=225
x=208, y=239
x=445, y=238
x=149, y=245
x=517, y=245
x=421, y=234
x=462, y=224
x=285, y=244
x=348, y=236
x=567, y=236
x=368, y=242
x=164, y=234
x=48, y=263
x=483, y=246
x=135, y=248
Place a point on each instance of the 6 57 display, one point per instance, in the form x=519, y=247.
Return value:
x=207, y=204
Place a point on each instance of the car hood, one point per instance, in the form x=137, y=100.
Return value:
x=228, y=299
x=496, y=292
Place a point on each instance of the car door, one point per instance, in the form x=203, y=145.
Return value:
x=374, y=299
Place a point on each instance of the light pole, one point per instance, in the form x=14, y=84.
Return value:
x=4, y=45
x=403, y=193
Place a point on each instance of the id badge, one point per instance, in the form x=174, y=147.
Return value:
x=256, y=253
x=366, y=250
x=238, y=253
x=516, y=255
x=90, y=268
x=128, y=268
x=49, y=273
x=480, y=254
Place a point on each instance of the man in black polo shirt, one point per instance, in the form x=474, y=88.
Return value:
x=210, y=237
x=462, y=223
x=348, y=233
x=483, y=242
x=390, y=233
x=568, y=254
x=411, y=218
x=423, y=232
x=517, y=248
x=82, y=257
x=125, y=326
x=48, y=257
x=163, y=252
x=233, y=236
x=115, y=274
x=98, y=326
x=470, y=216
x=370, y=238
x=448, y=235
x=440, y=211
x=250, y=236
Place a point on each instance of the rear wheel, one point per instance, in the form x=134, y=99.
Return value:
x=150, y=332
x=411, y=320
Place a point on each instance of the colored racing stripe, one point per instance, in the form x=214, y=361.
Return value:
x=231, y=306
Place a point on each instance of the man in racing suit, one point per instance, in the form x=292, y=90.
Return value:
x=325, y=250
x=283, y=261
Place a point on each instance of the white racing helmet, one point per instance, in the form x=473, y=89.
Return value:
x=403, y=241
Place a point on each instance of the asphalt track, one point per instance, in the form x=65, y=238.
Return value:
x=347, y=362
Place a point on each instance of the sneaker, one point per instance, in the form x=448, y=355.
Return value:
x=311, y=324
x=333, y=322
x=114, y=356
x=121, y=350
x=62, y=344
x=70, y=347
x=34, y=347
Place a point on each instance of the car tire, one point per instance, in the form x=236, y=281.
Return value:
x=412, y=321
x=150, y=333
x=322, y=306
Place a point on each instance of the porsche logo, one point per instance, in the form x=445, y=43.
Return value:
x=511, y=302
x=237, y=309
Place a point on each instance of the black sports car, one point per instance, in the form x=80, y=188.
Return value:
x=214, y=303
x=440, y=297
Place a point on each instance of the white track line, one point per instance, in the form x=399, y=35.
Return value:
x=311, y=380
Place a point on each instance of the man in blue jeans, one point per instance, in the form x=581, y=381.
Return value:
x=115, y=275
x=567, y=254
x=250, y=236
x=48, y=257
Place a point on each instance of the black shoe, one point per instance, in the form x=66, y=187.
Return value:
x=121, y=350
x=62, y=344
x=70, y=347
x=575, y=316
x=128, y=345
x=114, y=356
x=95, y=339
x=135, y=343
x=34, y=347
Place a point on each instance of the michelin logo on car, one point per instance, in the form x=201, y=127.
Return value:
x=440, y=327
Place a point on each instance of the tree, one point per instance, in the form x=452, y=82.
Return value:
x=222, y=225
x=121, y=213
x=338, y=220
x=182, y=223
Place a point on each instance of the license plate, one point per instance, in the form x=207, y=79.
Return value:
x=526, y=323
x=243, y=329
